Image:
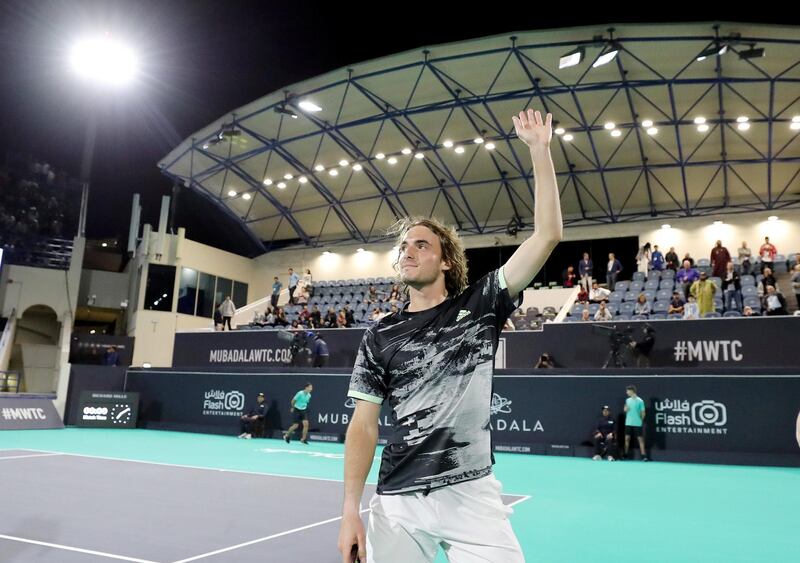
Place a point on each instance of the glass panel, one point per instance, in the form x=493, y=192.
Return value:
x=224, y=287
x=187, y=294
x=160, y=285
x=205, y=296
x=239, y=294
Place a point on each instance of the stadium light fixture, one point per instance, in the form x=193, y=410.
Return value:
x=572, y=58
x=104, y=60
x=608, y=56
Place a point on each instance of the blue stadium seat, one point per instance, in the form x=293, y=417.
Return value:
x=626, y=308
x=638, y=276
x=668, y=284
x=636, y=286
x=639, y=317
x=653, y=275
x=621, y=286
x=667, y=275
x=593, y=308
x=703, y=263
x=658, y=317
x=631, y=296
x=616, y=297
x=663, y=295
x=660, y=306
x=651, y=284
x=749, y=291
x=650, y=295
x=748, y=280
x=752, y=302
x=674, y=317
x=732, y=314
x=712, y=315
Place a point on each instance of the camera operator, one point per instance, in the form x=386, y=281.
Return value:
x=642, y=349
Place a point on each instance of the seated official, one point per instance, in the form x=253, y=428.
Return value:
x=605, y=437
x=252, y=422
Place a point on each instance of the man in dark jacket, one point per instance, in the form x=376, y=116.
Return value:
x=253, y=418
x=605, y=438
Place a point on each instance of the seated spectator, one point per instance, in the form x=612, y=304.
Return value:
x=686, y=276
x=372, y=295
x=348, y=314
x=691, y=311
x=774, y=302
x=598, y=294
x=394, y=310
x=732, y=288
x=642, y=307
x=111, y=357
x=301, y=296
x=296, y=325
x=545, y=362
x=585, y=315
x=305, y=315
x=569, y=277
x=376, y=315
x=583, y=295
x=508, y=326
x=796, y=282
x=676, y=304
x=269, y=317
x=748, y=311
x=768, y=279
x=395, y=296
x=341, y=319
x=603, y=314
x=605, y=438
x=330, y=318
x=280, y=318
x=690, y=259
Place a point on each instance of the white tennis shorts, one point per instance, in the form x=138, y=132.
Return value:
x=468, y=520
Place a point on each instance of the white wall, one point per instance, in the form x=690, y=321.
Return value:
x=111, y=288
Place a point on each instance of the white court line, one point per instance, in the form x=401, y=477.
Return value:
x=76, y=549
x=259, y=540
x=519, y=500
x=29, y=455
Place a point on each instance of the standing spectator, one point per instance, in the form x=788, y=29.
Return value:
x=111, y=357
x=745, y=256
x=703, y=290
x=767, y=253
x=732, y=288
x=643, y=258
x=634, y=420
x=276, y=292
x=228, y=310
x=672, y=259
x=796, y=283
x=585, y=267
x=642, y=307
x=676, y=304
x=774, y=302
x=605, y=440
x=657, y=261
x=293, y=281
x=308, y=283
x=689, y=258
x=569, y=277
x=691, y=311
x=603, y=314
x=643, y=348
x=720, y=257
x=613, y=268
x=686, y=276
x=316, y=317
x=330, y=318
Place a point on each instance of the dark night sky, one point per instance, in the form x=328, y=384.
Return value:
x=201, y=59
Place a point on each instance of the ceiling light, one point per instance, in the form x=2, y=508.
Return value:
x=610, y=126
x=665, y=227
x=333, y=172
x=652, y=131
x=309, y=106
x=232, y=193
x=560, y=131
x=282, y=185
x=795, y=126
x=744, y=126
x=105, y=244
x=616, y=133
x=380, y=156
x=392, y=160
x=742, y=119
x=448, y=144
x=490, y=146
x=459, y=150
x=572, y=58
x=326, y=253
x=267, y=182
x=702, y=128
x=419, y=156
x=699, y=120
x=772, y=218
x=285, y=111
x=796, y=119
x=319, y=168
x=343, y=163
x=287, y=176
x=567, y=137
x=357, y=167
x=713, y=50
x=608, y=56
x=751, y=53
x=359, y=250
x=647, y=123
x=718, y=222
x=302, y=179
x=205, y=147
x=478, y=140
x=406, y=151
x=246, y=197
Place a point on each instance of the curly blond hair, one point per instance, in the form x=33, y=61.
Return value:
x=455, y=279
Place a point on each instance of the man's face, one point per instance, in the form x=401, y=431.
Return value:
x=585, y=255
x=309, y=388
x=629, y=392
x=655, y=247
x=260, y=399
x=686, y=264
x=594, y=285
x=606, y=412
x=770, y=290
x=611, y=256
x=767, y=271
x=421, y=258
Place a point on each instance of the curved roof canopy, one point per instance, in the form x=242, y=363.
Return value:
x=653, y=121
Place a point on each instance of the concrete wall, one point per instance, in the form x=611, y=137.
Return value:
x=111, y=288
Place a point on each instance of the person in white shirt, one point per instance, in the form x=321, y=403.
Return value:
x=691, y=311
x=603, y=314
x=228, y=310
x=598, y=294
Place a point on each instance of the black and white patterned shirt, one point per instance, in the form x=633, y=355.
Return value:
x=435, y=368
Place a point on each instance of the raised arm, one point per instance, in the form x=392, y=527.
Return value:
x=547, y=229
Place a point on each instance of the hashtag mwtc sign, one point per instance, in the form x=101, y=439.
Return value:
x=28, y=413
x=708, y=351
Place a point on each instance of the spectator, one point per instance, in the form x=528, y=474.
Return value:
x=372, y=295
x=585, y=267
x=569, y=277
x=643, y=258
x=308, y=283
x=767, y=279
x=293, y=281
x=254, y=418
x=691, y=311
x=603, y=314
x=672, y=259
x=583, y=295
x=796, y=283
x=111, y=357
x=348, y=313
x=774, y=302
x=634, y=420
x=676, y=304
x=316, y=317
x=747, y=311
x=732, y=288
x=395, y=296
x=295, y=325
x=276, y=292
x=341, y=319
x=301, y=295
x=720, y=257
x=508, y=326
x=305, y=315
x=657, y=261
x=321, y=354
x=686, y=276
x=217, y=319
x=605, y=440
x=598, y=294
x=269, y=317
x=376, y=315
x=330, y=318
x=689, y=258
x=767, y=253
x=228, y=310
x=613, y=269
x=745, y=255
x=545, y=362
x=280, y=318
x=585, y=316
x=703, y=290
x=642, y=307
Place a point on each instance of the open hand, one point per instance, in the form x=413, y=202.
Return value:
x=532, y=130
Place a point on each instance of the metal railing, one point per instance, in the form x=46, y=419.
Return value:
x=10, y=381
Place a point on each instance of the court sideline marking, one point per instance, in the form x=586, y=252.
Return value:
x=75, y=549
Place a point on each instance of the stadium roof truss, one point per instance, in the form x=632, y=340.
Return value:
x=429, y=132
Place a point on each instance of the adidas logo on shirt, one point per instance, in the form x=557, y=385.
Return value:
x=461, y=314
